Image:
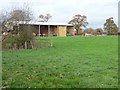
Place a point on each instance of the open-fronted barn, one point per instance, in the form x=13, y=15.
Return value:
x=50, y=29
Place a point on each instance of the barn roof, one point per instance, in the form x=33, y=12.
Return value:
x=46, y=23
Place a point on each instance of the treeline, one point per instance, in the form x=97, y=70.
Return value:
x=80, y=21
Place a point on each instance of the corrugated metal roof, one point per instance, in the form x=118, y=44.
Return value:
x=46, y=23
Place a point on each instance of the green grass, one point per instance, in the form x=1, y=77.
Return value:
x=73, y=62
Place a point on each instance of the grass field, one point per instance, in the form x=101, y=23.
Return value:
x=73, y=62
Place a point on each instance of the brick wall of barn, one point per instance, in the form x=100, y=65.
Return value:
x=71, y=30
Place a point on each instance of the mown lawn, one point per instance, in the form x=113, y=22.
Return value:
x=73, y=62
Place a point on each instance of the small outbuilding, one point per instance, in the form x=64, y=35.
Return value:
x=50, y=29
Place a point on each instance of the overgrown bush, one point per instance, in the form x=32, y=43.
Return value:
x=17, y=42
x=11, y=42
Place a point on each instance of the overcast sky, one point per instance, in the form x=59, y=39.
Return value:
x=97, y=11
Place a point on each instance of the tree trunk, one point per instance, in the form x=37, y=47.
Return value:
x=79, y=31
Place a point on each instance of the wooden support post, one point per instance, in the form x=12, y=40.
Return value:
x=48, y=30
x=57, y=30
x=39, y=31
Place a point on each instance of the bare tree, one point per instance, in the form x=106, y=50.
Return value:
x=4, y=17
x=9, y=19
x=23, y=37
